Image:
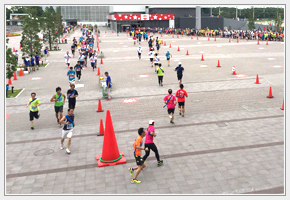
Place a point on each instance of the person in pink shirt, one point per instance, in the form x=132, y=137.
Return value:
x=170, y=102
x=150, y=133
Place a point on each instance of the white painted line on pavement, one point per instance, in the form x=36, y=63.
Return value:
x=46, y=65
x=20, y=93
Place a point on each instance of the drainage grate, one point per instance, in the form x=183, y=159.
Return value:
x=43, y=152
x=221, y=124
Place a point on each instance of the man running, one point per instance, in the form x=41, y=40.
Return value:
x=139, y=50
x=160, y=72
x=71, y=75
x=156, y=61
x=150, y=133
x=109, y=85
x=151, y=54
x=72, y=93
x=137, y=154
x=82, y=59
x=68, y=121
x=179, y=70
x=45, y=53
x=181, y=94
x=73, y=48
x=170, y=102
x=59, y=99
x=32, y=62
x=37, y=59
x=34, y=103
x=67, y=59
x=168, y=55
x=93, y=60
x=78, y=69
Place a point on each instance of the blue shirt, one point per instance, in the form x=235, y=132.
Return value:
x=36, y=57
x=71, y=74
x=26, y=62
x=32, y=60
x=107, y=81
x=167, y=54
x=45, y=51
x=179, y=70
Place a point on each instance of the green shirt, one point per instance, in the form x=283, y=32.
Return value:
x=160, y=73
x=59, y=102
x=34, y=105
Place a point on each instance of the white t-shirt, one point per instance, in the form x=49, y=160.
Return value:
x=139, y=49
x=81, y=58
x=156, y=59
x=151, y=54
x=93, y=59
x=67, y=58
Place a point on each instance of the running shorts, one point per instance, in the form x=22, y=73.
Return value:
x=151, y=59
x=139, y=159
x=181, y=103
x=33, y=115
x=58, y=109
x=67, y=133
x=179, y=77
x=171, y=111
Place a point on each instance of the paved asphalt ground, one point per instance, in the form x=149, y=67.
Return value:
x=231, y=140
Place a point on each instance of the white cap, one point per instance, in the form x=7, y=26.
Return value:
x=179, y=63
x=151, y=121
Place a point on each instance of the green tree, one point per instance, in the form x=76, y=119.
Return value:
x=58, y=23
x=11, y=62
x=30, y=42
x=251, y=19
x=48, y=26
x=278, y=19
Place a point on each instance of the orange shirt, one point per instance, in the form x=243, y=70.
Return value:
x=138, y=142
x=181, y=96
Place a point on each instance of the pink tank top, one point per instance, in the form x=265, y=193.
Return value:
x=149, y=138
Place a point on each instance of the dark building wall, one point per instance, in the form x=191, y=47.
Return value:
x=185, y=22
x=155, y=23
x=210, y=22
x=178, y=12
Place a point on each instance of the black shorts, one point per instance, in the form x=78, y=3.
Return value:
x=82, y=62
x=72, y=51
x=139, y=159
x=58, y=109
x=37, y=62
x=32, y=64
x=151, y=59
x=33, y=115
x=168, y=58
x=139, y=54
x=181, y=103
x=171, y=110
x=156, y=64
x=179, y=77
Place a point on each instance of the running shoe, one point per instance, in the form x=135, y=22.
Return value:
x=179, y=113
x=131, y=171
x=182, y=115
x=108, y=100
x=61, y=147
x=57, y=121
x=135, y=181
x=32, y=127
x=67, y=151
x=160, y=162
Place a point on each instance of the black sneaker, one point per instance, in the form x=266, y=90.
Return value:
x=32, y=127
x=57, y=121
x=160, y=162
x=179, y=113
x=38, y=116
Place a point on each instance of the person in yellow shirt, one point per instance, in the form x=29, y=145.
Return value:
x=34, y=103
x=137, y=154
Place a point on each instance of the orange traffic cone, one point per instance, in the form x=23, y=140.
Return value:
x=101, y=61
x=237, y=40
x=110, y=153
x=208, y=38
x=218, y=65
x=267, y=42
x=15, y=77
x=177, y=36
x=196, y=38
x=99, y=73
x=100, y=107
x=172, y=36
x=187, y=52
x=214, y=38
x=161, y=41
x=20, y=46
x=170, y=45
x=202, y=58
x=258, y=42
x=13, y=49
x=234, y=70
x=21, y=72
x=161, y=35
x=257, y=79
x=9, y=81
x=178, y=49
x=229, y=40
x=56, y=43
x=282, y=105
x=191, y=37
x=164, y=43
x=270, y=93
x=101, y=130
x=98, y=49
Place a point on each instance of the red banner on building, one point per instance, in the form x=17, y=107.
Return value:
x=127, y=17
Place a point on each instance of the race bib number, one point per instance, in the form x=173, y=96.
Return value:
x=71, y=76
x=33, y=108
x=70, y=126
x=60, y=99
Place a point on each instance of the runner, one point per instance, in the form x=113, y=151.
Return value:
x=139, y=50
x=68, y=121
x=160, y=72
x=71, y=96
x=156, y=61
x=170, y=102
x=37, y=59
x=134, y=40
x=137, y=154
x=109, y=86
x=32, y=62
x=150, y=133
x=78, y=69
x=93, y=60
x=151, y=54
x=82, y=59
x=180, y=94
x=179, y=70
x=73, y=47
x=59, y=99
x=71, y=75
x=34, y=103
x=168, y=55
x=67, y=57
x=45, y=53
